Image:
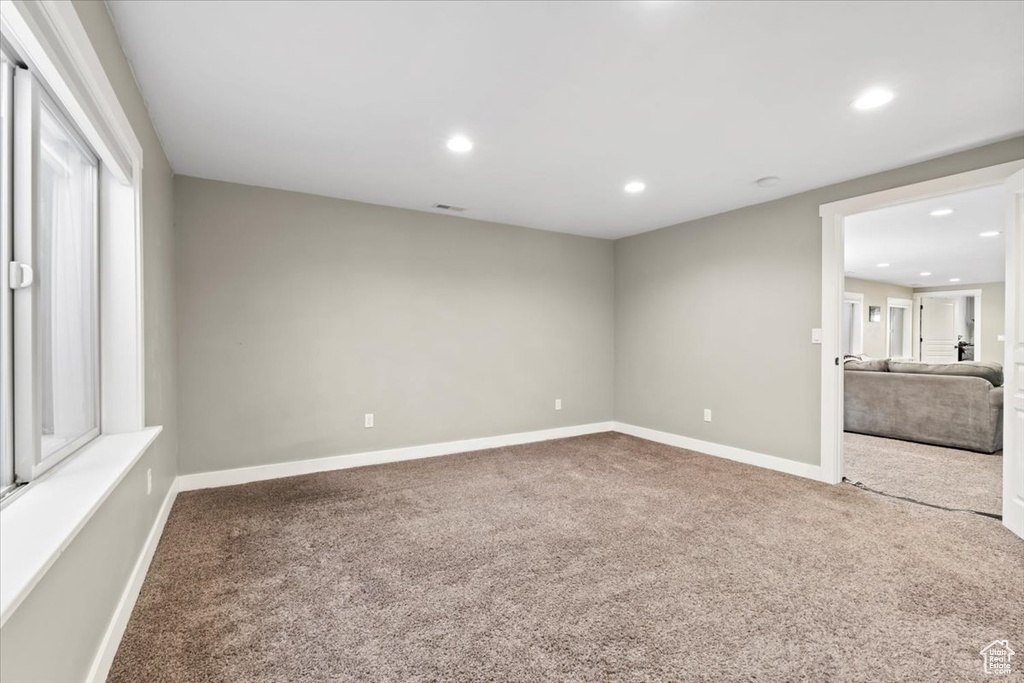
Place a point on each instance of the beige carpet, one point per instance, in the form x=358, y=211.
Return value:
x=598, y=558
x=947, y=477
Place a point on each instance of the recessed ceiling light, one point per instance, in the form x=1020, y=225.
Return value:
x=768, y=181
x=883, y=265
x=954, y=279
x=925, y=274
x=634, y=186
x=990, y=233
x=873, y=98
x=941, y=212
x=460, y=143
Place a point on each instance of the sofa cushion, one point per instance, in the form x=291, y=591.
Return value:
x=993, y=372
x=873, y=365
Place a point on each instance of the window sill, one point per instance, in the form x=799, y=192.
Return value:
x=40, y=523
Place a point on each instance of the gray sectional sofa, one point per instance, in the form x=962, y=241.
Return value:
x=959, y=405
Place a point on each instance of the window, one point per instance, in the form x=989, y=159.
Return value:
x=899, y=339
x=853, y=324
x=50, y=317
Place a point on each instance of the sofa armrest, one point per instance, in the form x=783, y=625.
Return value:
x=995, y=398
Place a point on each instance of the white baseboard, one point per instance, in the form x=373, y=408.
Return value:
x=115, y=630
x=245, y=475
x=770, y=462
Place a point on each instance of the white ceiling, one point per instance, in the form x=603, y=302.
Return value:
x=567, y=101
x=912, y=241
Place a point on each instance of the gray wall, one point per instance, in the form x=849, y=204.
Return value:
x=717, y=313
x=55, y=633
x=993, y=316
x=876, y=294
x=298, y=314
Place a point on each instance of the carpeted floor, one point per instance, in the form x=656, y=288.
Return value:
x=940, y=476
x=597, y=558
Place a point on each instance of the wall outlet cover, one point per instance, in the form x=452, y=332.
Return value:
x=368, y=420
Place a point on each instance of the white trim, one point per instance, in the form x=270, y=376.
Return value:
x=50, y=36
x=1013, y=360
x=39, y=522
x=244, y=475
x=928, y=189
x=115, y=630
x=833, y=216
x=770, y=462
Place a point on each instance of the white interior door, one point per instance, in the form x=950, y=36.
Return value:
x=1013, y=398
x=938, y=330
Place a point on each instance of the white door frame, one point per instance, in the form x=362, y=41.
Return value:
x=1013, y=365
x=833, y=216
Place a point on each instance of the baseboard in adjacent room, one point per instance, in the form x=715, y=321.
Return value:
x=115, y=630
x=770, y=462
x=245, y=475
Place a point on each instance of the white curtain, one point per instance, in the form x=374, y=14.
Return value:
x=68, y=313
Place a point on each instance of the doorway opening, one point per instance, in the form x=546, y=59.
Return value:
x=920, y=333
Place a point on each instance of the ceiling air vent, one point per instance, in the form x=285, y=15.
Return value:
x=449, y=207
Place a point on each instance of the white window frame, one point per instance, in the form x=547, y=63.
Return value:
x=39, y=520
x=907, y=352
x=6, y=294
x=48, y=37
x=29, y=460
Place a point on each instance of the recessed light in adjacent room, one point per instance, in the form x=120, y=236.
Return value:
x=883, y=265
x=873, y=99
x=938, y=213
x=634, y=187
x=990, y=233
x=954, y=279
x=925, y=274
x=460, y=143
x=767, y=181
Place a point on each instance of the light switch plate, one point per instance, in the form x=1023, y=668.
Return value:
x=816, y=335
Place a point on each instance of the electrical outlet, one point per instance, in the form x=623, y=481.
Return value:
x=707, y=414
x=149, y=481
x=368, y=420
x=558, y=404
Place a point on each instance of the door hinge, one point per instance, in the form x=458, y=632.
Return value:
x=19, y=275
